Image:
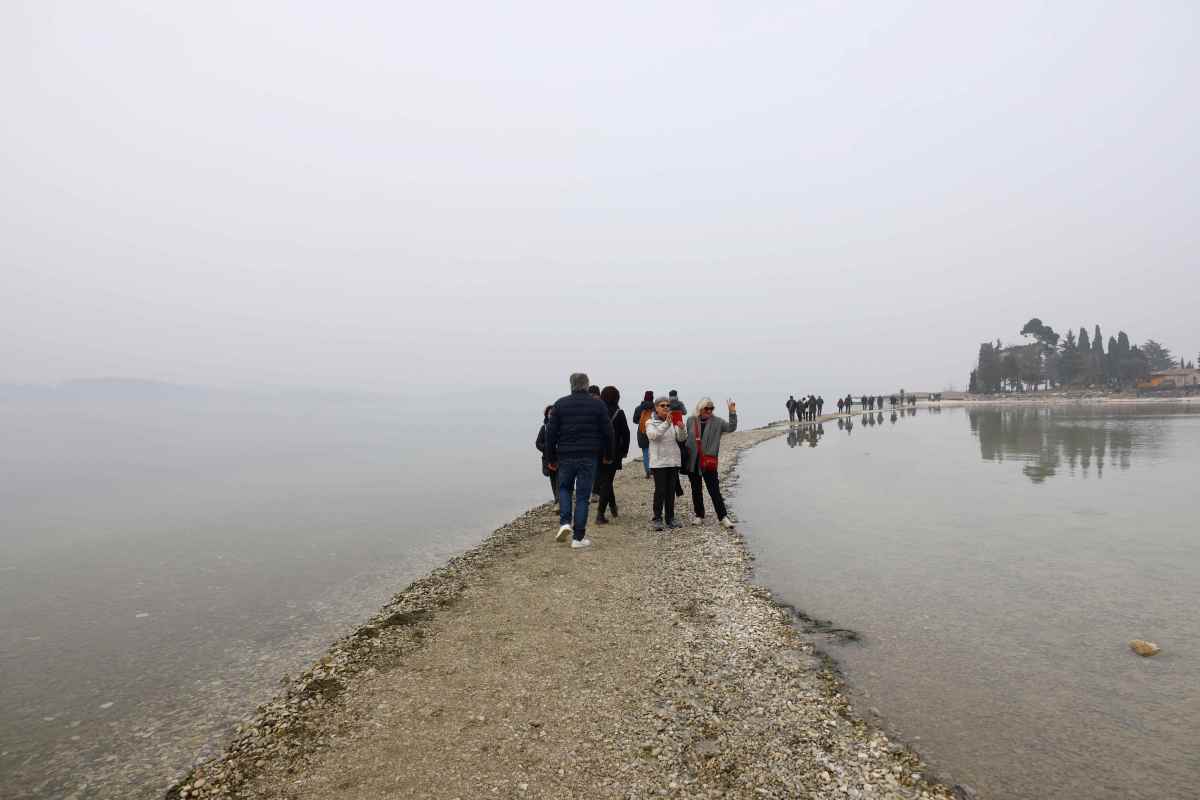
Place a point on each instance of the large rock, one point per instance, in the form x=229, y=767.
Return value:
x=1144, y=648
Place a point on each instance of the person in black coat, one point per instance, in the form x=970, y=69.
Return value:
x=540, y=444
x=608, y=472
x=579, y=437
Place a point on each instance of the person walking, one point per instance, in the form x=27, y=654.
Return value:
x=540, y=444
x=608, y=472
x=820, y=405
x=665, y=435
x=703, y=445
x=578, y=435
x=791, y=407
x=641, y=415
x=841, y=404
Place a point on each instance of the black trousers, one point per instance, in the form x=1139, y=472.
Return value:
x=710, y=480
x=665, y=480
x=604, y=484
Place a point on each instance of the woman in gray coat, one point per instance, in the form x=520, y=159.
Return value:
x=704, y=431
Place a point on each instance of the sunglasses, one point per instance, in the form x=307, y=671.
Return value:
x=708, y=408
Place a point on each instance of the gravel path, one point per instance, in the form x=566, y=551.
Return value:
x=645, y=666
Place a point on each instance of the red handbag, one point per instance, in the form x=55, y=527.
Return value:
x=707, y=463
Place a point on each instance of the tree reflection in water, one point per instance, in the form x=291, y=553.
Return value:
x=1047, y=438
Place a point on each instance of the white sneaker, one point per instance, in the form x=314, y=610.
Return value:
x=727, y=523
x=697, y=520
x=564, y=533
x=577, y=544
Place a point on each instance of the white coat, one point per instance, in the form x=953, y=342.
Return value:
x=664, y=442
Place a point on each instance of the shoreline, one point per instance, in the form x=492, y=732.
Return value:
x=698, y=683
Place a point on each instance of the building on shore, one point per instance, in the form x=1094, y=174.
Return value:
x=1177, y=378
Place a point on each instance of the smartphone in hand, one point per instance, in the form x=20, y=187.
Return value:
x=677, y=417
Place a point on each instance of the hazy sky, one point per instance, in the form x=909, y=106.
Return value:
x=400, y=195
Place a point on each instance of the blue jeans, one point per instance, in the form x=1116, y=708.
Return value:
x=575, y=475
x=646, y=459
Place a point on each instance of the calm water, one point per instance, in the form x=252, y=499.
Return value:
x=167, y=556
x=996, y=563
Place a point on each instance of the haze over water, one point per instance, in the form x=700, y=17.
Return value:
x=996, y=562
x=167, y=555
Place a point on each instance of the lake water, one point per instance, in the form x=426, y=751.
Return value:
x=166, y=556
x=995, y=563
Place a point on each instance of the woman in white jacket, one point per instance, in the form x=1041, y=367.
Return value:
x=665, y=434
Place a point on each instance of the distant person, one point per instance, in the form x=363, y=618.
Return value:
x=594, y=391
x=820, y=405
x=791, y=407
x=841, y=404
x=812, y=408
x=578, y=436
x=641, y=414
x=666, y=433
x=704, y=432
x=680, y=410
x=864, y=403
x=676, y=403
x=608, y=471
x=540, y=444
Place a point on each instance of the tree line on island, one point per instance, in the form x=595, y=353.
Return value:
x=1051, y=361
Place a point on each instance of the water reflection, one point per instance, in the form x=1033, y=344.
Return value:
x=808, y=434
x=1047, y=439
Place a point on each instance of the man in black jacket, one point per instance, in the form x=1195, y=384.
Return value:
x=578, y=434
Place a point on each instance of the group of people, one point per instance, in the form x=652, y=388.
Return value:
x=805, y=409
x=585, y=437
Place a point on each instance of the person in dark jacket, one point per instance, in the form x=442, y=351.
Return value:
x=646, y=409
x=608, y=472
x=677, y=405
x=791, y=407
x=578, y=436
x=820, y=405
x=540, y=444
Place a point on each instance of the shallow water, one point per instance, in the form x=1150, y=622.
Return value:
x=996, y=563
x=166, y=558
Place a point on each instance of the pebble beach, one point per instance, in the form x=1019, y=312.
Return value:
x=649, y=665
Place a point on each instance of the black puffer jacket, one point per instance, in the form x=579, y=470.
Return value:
x=579, y=428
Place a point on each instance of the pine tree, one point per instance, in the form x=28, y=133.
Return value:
x=1066, y=363
x=1159, y=357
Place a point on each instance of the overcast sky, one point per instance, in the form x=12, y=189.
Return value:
x=391, y=196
